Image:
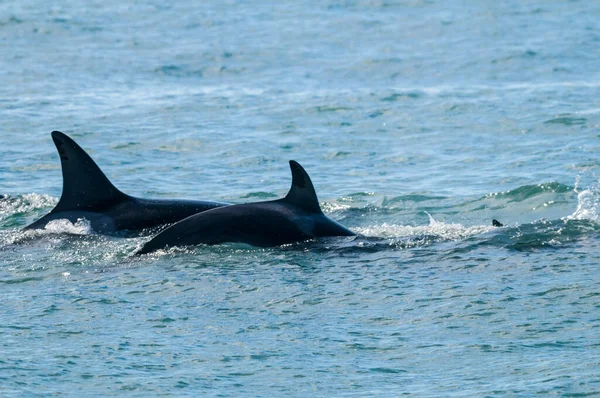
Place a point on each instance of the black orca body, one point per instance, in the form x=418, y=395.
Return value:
x=87, y=193
x=496, y=223
x=295, y=218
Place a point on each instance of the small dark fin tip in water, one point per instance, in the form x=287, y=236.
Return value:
x=497, y=223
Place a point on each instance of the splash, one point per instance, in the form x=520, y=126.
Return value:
x=587, y=206
x=54, y=227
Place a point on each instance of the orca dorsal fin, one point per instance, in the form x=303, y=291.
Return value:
x=302, y=193
x=85, y=187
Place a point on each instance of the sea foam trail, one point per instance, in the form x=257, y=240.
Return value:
x=435, y=228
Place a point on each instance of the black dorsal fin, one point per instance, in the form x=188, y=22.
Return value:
x=85, y=187
x=302, y=193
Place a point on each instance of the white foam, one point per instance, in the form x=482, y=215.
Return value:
x=63, y=226
x=26, y=204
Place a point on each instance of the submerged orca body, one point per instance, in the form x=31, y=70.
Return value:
x=87, y=193
x=295, y=218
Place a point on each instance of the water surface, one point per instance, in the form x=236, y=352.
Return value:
x=418, y=121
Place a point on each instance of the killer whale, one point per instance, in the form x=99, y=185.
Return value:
x=295, y=218
x=88, y=193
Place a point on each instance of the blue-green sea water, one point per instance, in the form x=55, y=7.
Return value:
x=419, y=122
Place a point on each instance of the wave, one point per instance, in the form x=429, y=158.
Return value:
x=529, y=191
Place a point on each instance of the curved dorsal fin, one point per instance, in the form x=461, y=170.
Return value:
x=85, y=187
x=302, y=193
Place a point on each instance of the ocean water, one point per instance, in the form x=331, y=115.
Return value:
x=419, y=122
